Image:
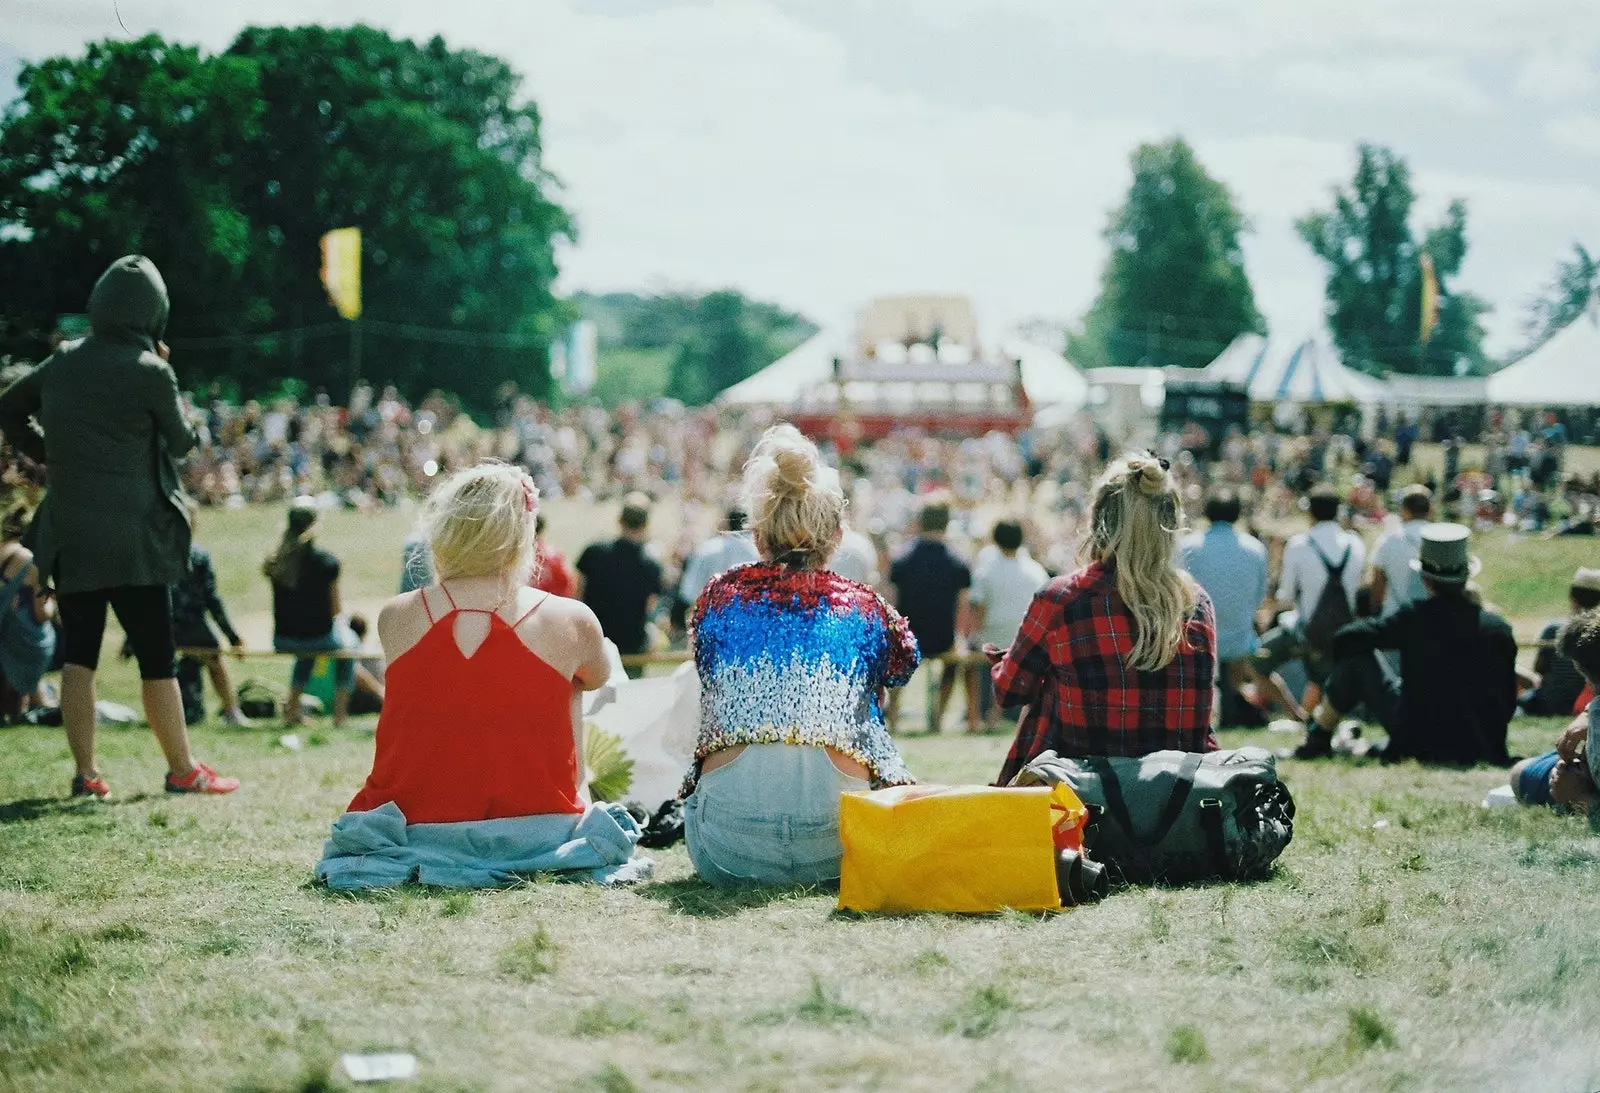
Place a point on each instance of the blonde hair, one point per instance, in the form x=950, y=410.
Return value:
x=1134, y=522
x=794, y=499
x=483, y=521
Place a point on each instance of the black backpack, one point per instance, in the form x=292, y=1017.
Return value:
x=1333, y=606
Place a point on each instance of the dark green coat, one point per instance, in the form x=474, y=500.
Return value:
x=105, y=416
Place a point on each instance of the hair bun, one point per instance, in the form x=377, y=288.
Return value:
x=1150, y=476
x=791, y=472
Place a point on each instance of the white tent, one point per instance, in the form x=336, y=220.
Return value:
x=1422, y=392
x=1564, y=371
x=782, y=382
x=1048, y=378
x=1307, y=372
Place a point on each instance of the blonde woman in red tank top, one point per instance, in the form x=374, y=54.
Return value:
x=481, y=715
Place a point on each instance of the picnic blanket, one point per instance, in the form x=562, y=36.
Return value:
x=378, y=849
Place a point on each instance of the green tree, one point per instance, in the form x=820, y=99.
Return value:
x=1174, y=290
x=1374, y=274
x=1575, y=286
x=129, y=148
x=248, y=158
x=720, y=351
x=688, y=346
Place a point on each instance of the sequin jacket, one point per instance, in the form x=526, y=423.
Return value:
x=798, y=657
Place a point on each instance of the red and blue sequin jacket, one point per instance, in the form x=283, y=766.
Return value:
x=790, y=656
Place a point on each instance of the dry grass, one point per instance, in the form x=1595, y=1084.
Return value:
x=1410, y=941
x=176, y=944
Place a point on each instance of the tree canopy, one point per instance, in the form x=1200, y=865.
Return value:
x=1174, y=290
x=226, y=170
x=1374, y=274
x=1575, y=286
x=684, y=345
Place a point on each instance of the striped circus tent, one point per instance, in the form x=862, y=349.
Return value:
x=1309, y=371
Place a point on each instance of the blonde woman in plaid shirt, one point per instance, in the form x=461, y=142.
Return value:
x=1119, y=657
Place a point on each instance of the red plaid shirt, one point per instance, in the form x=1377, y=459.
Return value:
x=1069, y=664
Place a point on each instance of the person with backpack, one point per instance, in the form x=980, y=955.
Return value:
x=1456, y=690
x=1321, y=574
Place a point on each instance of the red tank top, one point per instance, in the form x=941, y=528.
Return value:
x=474, y=738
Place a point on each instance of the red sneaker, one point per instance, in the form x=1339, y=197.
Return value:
x=202, y=779
x=91, y=787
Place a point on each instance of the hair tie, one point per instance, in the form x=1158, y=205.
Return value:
x=527, y=494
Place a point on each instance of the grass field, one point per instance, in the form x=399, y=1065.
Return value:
x=1409, y=941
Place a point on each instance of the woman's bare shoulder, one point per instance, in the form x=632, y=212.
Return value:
x=567, y=612
x=402, y=622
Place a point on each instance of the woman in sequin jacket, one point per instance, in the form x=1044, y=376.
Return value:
x=793, y=663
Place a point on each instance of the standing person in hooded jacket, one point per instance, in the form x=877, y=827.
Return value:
x=105, y=416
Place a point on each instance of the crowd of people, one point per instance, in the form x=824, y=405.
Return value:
x=1090, y=616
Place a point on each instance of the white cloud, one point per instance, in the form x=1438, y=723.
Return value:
x=1399, y=81
x=1555, y=78
x=1575, y=133
x=747, y=143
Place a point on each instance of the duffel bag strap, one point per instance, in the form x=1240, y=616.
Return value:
x=1117, y=805
x=1216, y=842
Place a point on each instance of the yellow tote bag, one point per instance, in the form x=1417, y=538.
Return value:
x=968, y=849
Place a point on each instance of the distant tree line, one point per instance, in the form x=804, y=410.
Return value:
x=1174, y=290
x=686, y=346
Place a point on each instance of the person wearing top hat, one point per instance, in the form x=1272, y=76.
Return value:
x=1559, y=681
x=1457, y=686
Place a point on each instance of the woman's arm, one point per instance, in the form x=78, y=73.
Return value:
x=166, y=405
x=595, y=669
x=334, y=604
x=904, y=655
x=1020, y=674
x=44, y=605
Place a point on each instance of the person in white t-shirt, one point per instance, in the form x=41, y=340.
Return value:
x=1394, y=582
x=856, y=559
x=1001, y=594
x=1307, y=560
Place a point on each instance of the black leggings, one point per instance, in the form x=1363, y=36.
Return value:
x=145, y=612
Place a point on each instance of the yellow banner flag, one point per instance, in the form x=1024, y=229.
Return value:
x=1430, y=298
x=341, y=270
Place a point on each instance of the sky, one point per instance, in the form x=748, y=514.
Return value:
x=821, y=152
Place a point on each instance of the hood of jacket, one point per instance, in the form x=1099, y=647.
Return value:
x=129, y=302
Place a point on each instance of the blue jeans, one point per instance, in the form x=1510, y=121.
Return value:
x=334, y=641
x=1534, y=781
x=769, y=817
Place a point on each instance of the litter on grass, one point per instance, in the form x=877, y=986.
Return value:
x=1500, y=797
x=395, y=1066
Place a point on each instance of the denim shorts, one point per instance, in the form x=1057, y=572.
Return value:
x=1533, y=784
x=769, y=817
x=337, y=639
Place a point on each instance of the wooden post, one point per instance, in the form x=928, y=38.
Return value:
x=355, y=357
